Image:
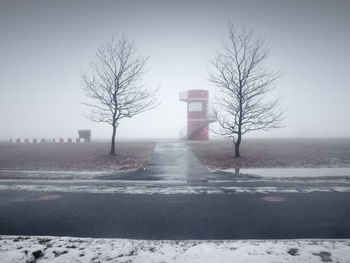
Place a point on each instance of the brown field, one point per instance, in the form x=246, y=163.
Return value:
x=74, y=156
x=269, y=153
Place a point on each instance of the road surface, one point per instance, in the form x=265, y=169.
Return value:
x=176, y=197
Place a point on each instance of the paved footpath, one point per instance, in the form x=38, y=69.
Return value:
x=176, y=197
x=170, y=161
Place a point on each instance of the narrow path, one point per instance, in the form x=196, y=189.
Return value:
x=173, y=160
x=170, y=160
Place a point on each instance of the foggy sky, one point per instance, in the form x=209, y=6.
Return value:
x=45, y=45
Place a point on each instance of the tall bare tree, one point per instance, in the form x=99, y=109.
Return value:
x=243, y=85
x=114, y=85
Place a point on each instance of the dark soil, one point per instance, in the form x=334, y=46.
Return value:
x=269, y=153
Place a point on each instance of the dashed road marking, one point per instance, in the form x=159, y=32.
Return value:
x=49, y=197
x=273, y=198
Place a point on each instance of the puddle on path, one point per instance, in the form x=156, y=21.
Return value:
x=173, y=160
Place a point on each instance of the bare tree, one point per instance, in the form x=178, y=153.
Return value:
x=115, y=86
x=243, y=84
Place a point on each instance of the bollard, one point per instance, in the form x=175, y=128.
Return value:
x=77, y=140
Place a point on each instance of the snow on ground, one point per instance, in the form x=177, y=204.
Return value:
x=156, y=188
x=80, y=172
x=59, y=174
x=69, y=249
x=338, y=172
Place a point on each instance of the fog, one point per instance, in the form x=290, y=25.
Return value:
x=45, y=45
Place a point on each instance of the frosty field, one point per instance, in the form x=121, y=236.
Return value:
x=70, y=160
x=274, y=153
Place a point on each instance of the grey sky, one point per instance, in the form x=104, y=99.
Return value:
x=46, y=44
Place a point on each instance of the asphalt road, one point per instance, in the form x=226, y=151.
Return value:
x=227, y=216
x=213, y=206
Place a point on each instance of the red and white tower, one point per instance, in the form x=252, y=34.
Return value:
x=197, y=114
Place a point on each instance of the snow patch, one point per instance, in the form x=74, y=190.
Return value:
x=68, y=249
x=293, y=172
x=150, y=188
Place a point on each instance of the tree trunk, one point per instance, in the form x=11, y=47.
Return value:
x=113, y=141
x=237, y=144
x=237, y=150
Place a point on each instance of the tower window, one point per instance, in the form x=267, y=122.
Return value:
x=195, y=106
